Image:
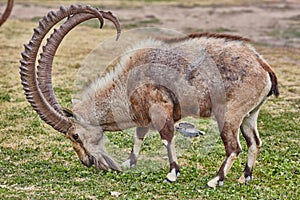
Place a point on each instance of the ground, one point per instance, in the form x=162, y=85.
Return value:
x=275, y=23
x=37, y=162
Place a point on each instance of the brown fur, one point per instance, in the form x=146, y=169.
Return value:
x=207, y=35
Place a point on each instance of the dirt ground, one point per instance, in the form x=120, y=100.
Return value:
x=276, y=23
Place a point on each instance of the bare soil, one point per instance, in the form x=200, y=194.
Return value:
x=275, y=23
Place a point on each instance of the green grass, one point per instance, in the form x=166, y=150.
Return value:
x=287, y=34
x=37, y=162
x=44, y=166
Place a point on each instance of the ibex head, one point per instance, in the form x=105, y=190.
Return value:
x=86, y=138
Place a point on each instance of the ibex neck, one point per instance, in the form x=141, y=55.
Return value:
x=111, y=107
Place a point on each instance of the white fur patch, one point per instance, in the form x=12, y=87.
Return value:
x=221, y=183
x=213, y=182
x=252, y=153
x=165, y=142
x=248, y=178
x=173, y=151
x=137, y=146
x=172, y=175
x=229, y=162
x=126, y=164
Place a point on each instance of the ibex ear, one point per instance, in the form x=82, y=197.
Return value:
x=68, y=113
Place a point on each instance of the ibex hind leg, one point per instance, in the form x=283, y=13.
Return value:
x=251, y=135
x=139, y=136
x=230, y=138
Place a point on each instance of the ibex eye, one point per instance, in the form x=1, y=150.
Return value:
x=75, y=136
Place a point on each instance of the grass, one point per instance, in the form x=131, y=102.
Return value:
x=290, y=33
x=38, y=163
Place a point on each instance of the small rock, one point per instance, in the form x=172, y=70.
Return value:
x=115, y=194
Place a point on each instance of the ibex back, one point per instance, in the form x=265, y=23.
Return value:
x=155, y=84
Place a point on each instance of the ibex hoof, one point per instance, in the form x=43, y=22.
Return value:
x=168, y=181
x=172, y=176
x=245, y=180
x=214, y=182
x=248, y=179
x=127, y=164
x=220, y=183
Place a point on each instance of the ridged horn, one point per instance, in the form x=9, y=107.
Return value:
x=28, y=69
x=53, y=42
x=7, y=11
x=108, y=15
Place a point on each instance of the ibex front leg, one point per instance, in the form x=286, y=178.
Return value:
x=161, y=118
x=139, y=136
x=168, y=140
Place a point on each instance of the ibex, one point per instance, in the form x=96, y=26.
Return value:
x=7, y=11
x=154, y=85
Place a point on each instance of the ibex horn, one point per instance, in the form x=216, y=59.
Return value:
x=53, y=42
x=30, y=82
x=7, y=11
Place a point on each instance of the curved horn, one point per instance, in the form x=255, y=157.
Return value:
x=28, y=69
x=108, y=15
x=53, y=42
x=7, y=11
